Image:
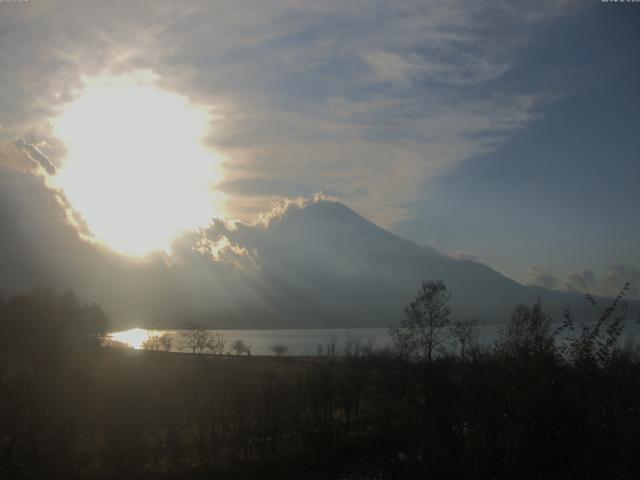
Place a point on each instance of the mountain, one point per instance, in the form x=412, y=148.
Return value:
x=320, y=264
x=308, y=264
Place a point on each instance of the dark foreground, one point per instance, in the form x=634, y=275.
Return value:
x=156, y=415
x=70, y=409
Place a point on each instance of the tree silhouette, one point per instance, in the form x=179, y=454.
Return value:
x=528, y=332
x=45, y=322
x=195, y=337
x=239, y=347
x=152, y=343
x=216, y=344
x=466, y=332
x=166, y=341
x=279, y=349
x=597, y=342
x=421, y=333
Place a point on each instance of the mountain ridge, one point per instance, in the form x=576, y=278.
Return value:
x=323, y=249
x=312, y=264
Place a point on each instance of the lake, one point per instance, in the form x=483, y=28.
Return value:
x=310, y=341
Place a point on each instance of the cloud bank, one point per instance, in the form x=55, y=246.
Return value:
x=362, y=100
x=609, y=284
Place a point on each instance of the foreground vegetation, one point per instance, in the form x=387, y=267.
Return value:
x=529, y=407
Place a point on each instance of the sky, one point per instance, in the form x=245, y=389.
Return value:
x=506, y=132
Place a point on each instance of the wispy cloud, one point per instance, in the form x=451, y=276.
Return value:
x=608, y=284
x=463, y=255
x=538, y=275
x=581, y=282
x=36, y=156
x=363, y=100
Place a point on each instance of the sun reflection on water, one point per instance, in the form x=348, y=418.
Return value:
x=134, y=337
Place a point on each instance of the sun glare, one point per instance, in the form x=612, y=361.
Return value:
x=134, y=338
x=136, y=167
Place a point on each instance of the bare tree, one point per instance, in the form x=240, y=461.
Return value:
x=421, y=333
x=466, y=332
x=279, y=349
x=355, y=347
x=195, y=337
x=158, y=342
x=239, y=347
x=528, y=331
x=152, y=343
x=216, y=344
x=598, y=341
x=166, y=341
x=329, y=349
x=331, y=346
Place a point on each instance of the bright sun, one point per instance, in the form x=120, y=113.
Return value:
x=134, y=338
x=136, y=167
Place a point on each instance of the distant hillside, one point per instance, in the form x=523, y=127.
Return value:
x=312, y=264
x=325, y=265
